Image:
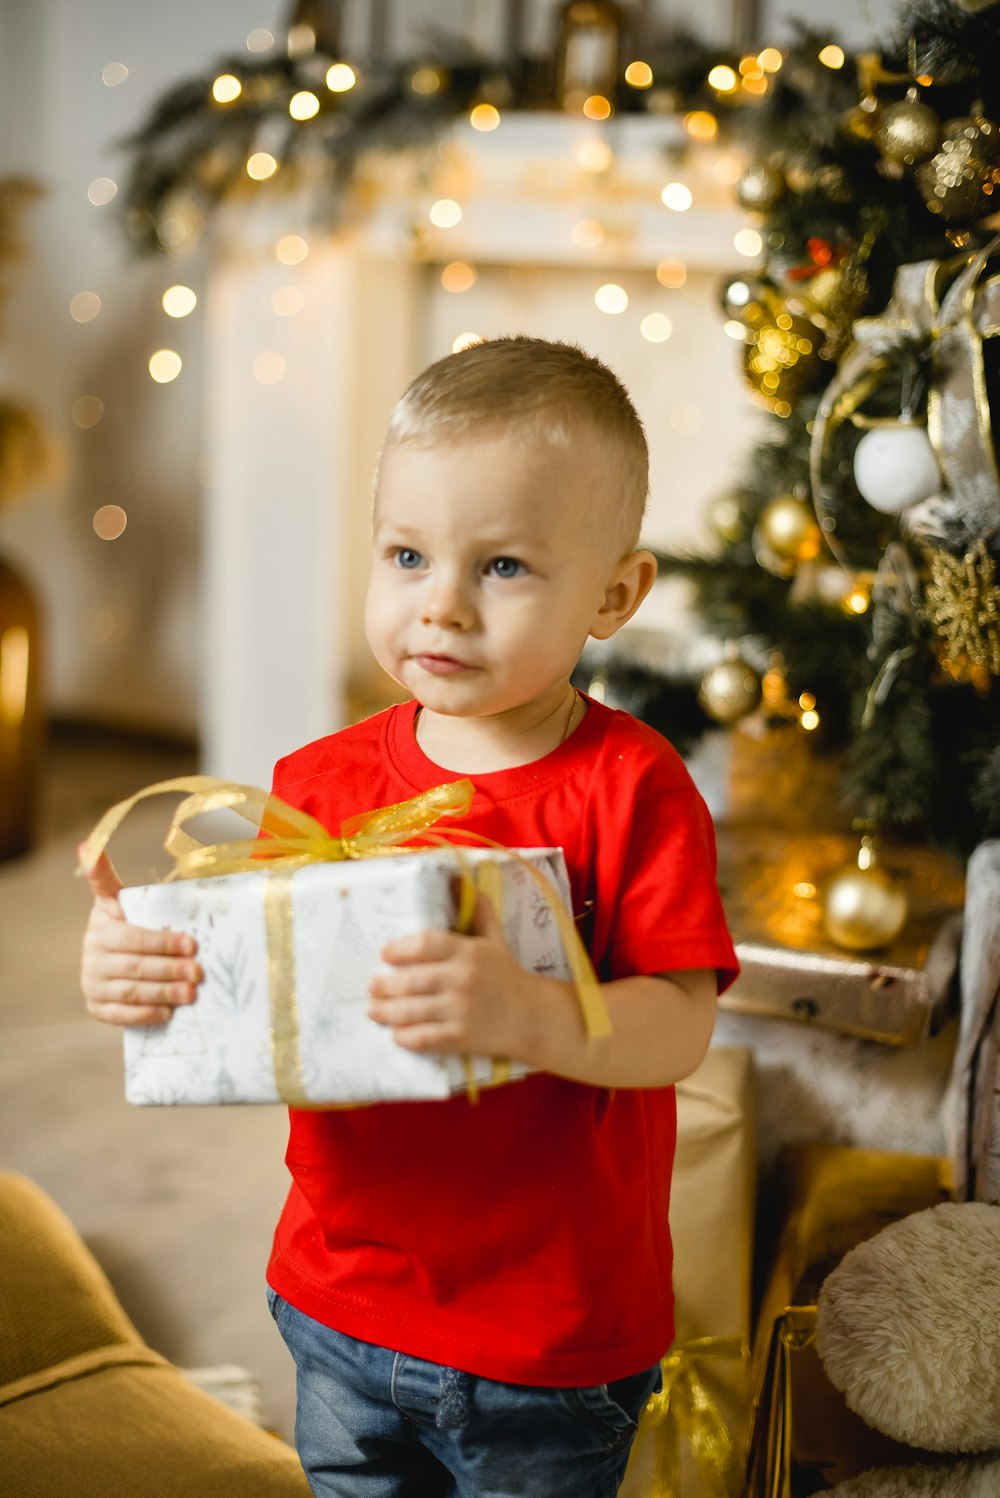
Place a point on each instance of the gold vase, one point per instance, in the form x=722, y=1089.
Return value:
x=20, y=712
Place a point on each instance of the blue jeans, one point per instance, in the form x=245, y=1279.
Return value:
x=378, y=1424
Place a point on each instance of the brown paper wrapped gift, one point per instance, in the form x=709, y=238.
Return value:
x=689, y=1436
x=803, y=1438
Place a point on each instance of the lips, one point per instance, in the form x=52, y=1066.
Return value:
x=441, y=665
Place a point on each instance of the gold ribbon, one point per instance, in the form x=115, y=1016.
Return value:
x=684, y=1409
x=289, y=838
x=947, y=301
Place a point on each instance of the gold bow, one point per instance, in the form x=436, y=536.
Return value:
x=683, y=1407
x=290, y=838
x=287, y=836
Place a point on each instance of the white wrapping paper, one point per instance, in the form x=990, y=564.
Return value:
x=221, y=1048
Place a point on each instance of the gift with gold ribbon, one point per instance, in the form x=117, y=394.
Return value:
x=683, y=1414
x=289, y=924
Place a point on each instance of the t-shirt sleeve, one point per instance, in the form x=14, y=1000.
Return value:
x=657, y=879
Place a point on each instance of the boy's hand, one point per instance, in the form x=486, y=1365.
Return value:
x=131, y=976
x=456, y=994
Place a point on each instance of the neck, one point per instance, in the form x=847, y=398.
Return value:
x=501, y=742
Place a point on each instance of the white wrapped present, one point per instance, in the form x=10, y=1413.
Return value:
x=288, y=954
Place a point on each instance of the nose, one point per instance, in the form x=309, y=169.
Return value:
x=447, y=603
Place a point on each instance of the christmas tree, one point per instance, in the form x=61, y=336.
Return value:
x=855, y=573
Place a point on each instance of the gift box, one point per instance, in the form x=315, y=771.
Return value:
x=803, y=1438
x=690, y=1440
x=288, y=953
x=789, y=967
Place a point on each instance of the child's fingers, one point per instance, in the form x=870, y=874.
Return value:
x=421, y=946
x=104, y=939
x=137, y=967
x=103, y=879
x=131, y=1014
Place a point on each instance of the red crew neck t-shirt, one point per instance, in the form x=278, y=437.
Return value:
x=524, y=1238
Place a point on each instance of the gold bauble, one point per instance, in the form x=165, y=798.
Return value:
x=761, y=187
x=788, y=529
x=907, y=132
x=962, y=180
x=729, y=690
x=863, y=908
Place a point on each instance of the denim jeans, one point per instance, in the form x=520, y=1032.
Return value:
x=378, y=1424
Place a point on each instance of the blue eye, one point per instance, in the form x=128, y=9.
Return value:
x=506, y=567
x=407, y=558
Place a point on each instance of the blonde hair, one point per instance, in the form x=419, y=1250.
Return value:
x=538, y=391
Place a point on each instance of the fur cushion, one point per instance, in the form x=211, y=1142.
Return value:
x=975, y=1477
x=908, y=1329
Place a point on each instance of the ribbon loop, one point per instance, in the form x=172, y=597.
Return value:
x=684, y=1408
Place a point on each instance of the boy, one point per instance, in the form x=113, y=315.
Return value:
x=477, y=1298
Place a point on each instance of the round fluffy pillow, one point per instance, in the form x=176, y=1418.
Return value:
x=975, y=1477
x=908, y=1328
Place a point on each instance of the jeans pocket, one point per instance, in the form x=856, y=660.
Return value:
x=274, y=1303
x=605, y=1416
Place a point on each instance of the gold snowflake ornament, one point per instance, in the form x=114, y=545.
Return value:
x=962, y=605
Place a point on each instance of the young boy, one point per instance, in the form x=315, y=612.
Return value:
x=477, y=1297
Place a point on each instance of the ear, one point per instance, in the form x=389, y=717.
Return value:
x=627, y=587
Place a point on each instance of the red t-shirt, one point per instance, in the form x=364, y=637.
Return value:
x=524, y=1238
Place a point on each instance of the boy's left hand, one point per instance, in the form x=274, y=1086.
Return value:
x=456, y=994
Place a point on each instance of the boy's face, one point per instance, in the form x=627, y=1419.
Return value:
x=490, y=563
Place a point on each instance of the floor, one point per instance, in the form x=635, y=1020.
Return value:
x=177, y=1205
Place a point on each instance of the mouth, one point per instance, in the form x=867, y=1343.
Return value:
x=441, y=665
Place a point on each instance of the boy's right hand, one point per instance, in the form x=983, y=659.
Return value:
x=131, y=976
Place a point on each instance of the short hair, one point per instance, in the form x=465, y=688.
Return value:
x=540, y=391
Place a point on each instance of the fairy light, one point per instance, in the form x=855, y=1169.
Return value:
x=98, y=626
x=445, y=213
x=594, y=155
x=722, y=79
x=770, y=60
x=269, y=367
x=611, y=298
x=810, y=719
x=261, y=165
x=165, y=365
x=804, y=890
x=287, y=300
x=747, y=242
x=260, y=40
x=303, y=105
x=465, y=340
x=587, y=233
x=807, y=701
x=656, y=327
x=291, y=249
x=756, y=83
x=728, y=168
x=15, y=655
x=832, y=56
x=484, y=117
x=639, y=75
x=226, y=88
x=866, y=855
x=85, y=306
x=179, y=301
x=458, y=276
x=686, y=418
x=340, y=77
x=701, y=125
x=597, y=107
x=749, y=67
x=109, y=522
x=113, y=74
x=426, y=81
x=672, y=274
x=101, y=191
x=677, y=197
x=735, y=330
x=87, y=411
x=301, y=40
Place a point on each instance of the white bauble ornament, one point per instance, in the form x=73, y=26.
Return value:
x=895, y=467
